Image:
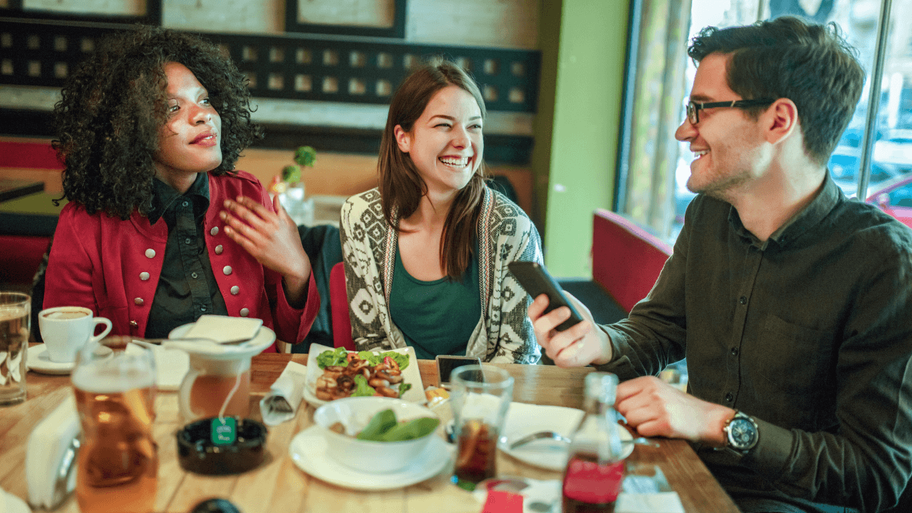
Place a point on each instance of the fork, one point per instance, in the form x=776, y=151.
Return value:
x=538, y=435
x=561, y=438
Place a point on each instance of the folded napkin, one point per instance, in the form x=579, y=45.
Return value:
x=224, y=329
x=647, y=493
x=48, y=452
x=284, y=397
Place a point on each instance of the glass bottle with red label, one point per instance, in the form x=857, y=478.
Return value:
x=595, y=469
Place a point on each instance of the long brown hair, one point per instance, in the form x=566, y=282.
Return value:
x=401, y=186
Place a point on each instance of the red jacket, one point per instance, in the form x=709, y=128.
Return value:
x=112, y=266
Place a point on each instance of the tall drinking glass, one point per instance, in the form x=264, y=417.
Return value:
x=14, y=334
x=118, y=462
x=480, y=396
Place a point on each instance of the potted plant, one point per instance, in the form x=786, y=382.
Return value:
x=290, y=186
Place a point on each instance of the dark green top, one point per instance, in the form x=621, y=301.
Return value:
x=436, y=317
x=186, y=288
x=809, y=332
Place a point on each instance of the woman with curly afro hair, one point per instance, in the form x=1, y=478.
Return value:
x=160, y=229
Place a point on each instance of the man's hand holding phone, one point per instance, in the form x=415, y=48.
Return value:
x=569, y=338
x=580, y=345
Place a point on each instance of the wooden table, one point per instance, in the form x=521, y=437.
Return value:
x=279, y=486
x=12, y=189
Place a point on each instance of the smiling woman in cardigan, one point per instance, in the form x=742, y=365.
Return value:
x=426, y=252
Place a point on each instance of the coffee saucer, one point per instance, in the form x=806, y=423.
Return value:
x=39, y=361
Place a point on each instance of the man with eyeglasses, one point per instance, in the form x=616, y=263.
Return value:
x=791, y=303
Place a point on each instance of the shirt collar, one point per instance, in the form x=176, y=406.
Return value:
x=164, y=197
x=808, y=217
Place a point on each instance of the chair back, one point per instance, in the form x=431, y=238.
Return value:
x=626, y=259
x=338, y=298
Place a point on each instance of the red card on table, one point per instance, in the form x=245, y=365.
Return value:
x=503, y=502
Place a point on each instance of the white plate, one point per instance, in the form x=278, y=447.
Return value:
x=410, y=375
x=308, y=451
x=12, y=504
x=524, y=419
x=263, y=339
x=38, y=361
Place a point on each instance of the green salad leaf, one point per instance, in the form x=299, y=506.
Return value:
x=362, y=388
x=401, y=359
x=384, y=428
x=379, y=424
x=337, y=357
x=376, y=358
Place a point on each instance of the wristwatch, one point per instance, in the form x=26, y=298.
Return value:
x=741, y=433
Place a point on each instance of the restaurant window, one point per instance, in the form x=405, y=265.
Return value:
x=873, y=159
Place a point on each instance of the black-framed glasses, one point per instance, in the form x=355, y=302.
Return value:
x=694, y=108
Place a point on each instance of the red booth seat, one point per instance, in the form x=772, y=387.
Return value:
x=626, y=259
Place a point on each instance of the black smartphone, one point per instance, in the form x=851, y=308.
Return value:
x=537, y=281
x=447, y=364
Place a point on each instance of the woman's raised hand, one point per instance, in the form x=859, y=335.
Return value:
x=272, y=238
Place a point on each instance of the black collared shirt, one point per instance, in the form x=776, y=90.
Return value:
x=809, y=332
x=187, y=288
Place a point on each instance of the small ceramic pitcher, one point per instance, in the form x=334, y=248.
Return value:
x=214, y=387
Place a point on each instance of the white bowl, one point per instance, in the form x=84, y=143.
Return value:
x=368, y=456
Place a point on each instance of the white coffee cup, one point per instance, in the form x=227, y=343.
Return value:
x=66, y=329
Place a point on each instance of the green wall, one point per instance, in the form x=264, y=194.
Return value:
x=582, y=76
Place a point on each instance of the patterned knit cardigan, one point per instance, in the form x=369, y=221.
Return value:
x=503, y=333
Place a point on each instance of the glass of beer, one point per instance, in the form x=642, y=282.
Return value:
x=14, y=334
x=480, y=396
x=115, y=394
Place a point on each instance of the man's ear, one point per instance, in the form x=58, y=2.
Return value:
x=782, y=120
x=402, y=139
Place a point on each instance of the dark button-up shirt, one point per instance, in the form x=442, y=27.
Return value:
x=809, y=332
x=187, y=288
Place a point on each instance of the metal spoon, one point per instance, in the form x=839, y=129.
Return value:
x=166, y=341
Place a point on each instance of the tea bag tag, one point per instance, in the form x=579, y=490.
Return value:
x=224, y=430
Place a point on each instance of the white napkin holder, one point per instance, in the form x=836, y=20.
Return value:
x=49, y=459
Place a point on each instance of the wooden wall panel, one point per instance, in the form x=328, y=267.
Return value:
x=498, y=24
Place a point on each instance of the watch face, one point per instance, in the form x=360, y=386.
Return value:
x=742, y=432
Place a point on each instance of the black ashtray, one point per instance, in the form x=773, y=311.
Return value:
x=197, y=452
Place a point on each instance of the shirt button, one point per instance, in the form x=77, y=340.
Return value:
x=184, y=203
x=742, y=300
x=227, y=270
x=194, y=275
x=150, y=253
x=144, y=276
x=245, y=312
x=218, y=249
x=729, y=397
x=214, y=231
x=139, y=301
x=235, y=290
x=734, y=351
x=188, y=240
x=202, y=309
